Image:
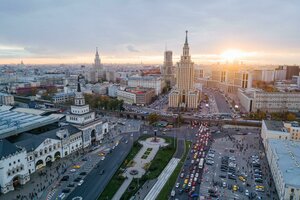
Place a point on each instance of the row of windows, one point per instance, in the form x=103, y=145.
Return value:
x=15, y=171
x=14, y=162
x=73, y=118
x=76, y=138
x=45, y=151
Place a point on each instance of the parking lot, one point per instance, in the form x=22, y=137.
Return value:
x=238, y=168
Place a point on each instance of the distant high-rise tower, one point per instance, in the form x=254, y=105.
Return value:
x=184, y=94
x=167, y=70
x=98, y=66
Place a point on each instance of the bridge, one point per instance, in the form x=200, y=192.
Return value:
x=187, y=119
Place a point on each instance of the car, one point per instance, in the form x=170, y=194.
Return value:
x=224, y=185
x=258, y=180
x=235, y=188
x=102, y=158
x=65, y=178
x=80, y=183
x=82, y=173
x=186, y=181
x=260, y=188
x=77, y=179
x=177, y=185
x=66, y=190
x=247, y=193
x=76, y=167
x=102, y=172
x=190, y=184
x=181, y=175
x=241, y=178
x=222, y=176
x=73, y=170
x=71, y=185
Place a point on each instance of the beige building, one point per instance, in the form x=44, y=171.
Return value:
x=138, y=96
x=184, y=93
x=230, y=80
x=167, y=68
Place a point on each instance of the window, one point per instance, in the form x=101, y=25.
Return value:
x=41, y=153
x=18, y=160
x=9, y=164
x=36, y=155
x=14, y=162
x=8, y=173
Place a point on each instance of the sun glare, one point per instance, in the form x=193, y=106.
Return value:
x=232, y=54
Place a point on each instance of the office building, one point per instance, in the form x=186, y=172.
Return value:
x=256, y=99
x=167, y=68
x=184, y=93
x=151, y=81
x=6, y=99
x=284, y=161
x=137, y=96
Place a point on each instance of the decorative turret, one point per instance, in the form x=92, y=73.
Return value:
x=79, y=98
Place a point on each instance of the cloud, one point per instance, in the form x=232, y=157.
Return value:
x=131, y=48
x=66, y=28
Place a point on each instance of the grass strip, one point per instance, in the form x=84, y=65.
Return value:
x=166, y=191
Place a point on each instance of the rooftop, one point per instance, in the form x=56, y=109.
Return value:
x=13, y=122
x=31, y=141
x=7, y=148
x=275, y=125
x=288, y=153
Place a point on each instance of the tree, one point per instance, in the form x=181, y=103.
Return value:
x=153, y=117
x=179, y=120
x=290, y=117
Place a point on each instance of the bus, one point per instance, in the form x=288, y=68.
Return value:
x=201, y=162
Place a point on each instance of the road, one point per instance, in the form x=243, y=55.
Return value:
x=94, y=183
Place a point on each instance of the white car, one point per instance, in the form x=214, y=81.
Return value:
x=247, y=192
x=73, y=170
x=80, y=182
x=177, y=185
x=102, y=158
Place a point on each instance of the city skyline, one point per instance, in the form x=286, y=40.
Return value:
x=137, y=31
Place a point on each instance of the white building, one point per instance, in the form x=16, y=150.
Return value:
x=93, y=128
x=13, y=166
x=255, y=99
x=62, y=97
x=113, y=90
x=6, y=99
x=284, y=161
x=127, y=97
x=151, y=81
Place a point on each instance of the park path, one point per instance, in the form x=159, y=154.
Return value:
x=139, y=164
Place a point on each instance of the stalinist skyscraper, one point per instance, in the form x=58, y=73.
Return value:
x=184, y=93
x=98, y=66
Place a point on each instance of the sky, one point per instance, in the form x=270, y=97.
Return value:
x=134, y=31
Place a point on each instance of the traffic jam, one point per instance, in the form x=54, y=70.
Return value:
x=188, y=182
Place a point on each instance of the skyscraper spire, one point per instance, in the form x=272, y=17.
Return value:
x=97, y=54
x=186, y=37
x=78, y=83
x=186, y=46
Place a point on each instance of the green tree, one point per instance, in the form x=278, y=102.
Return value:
x=290, y=117
x=153, y=117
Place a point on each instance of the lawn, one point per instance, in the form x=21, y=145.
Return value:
x=117, y=180
x=166, y=191
x=157, y=165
